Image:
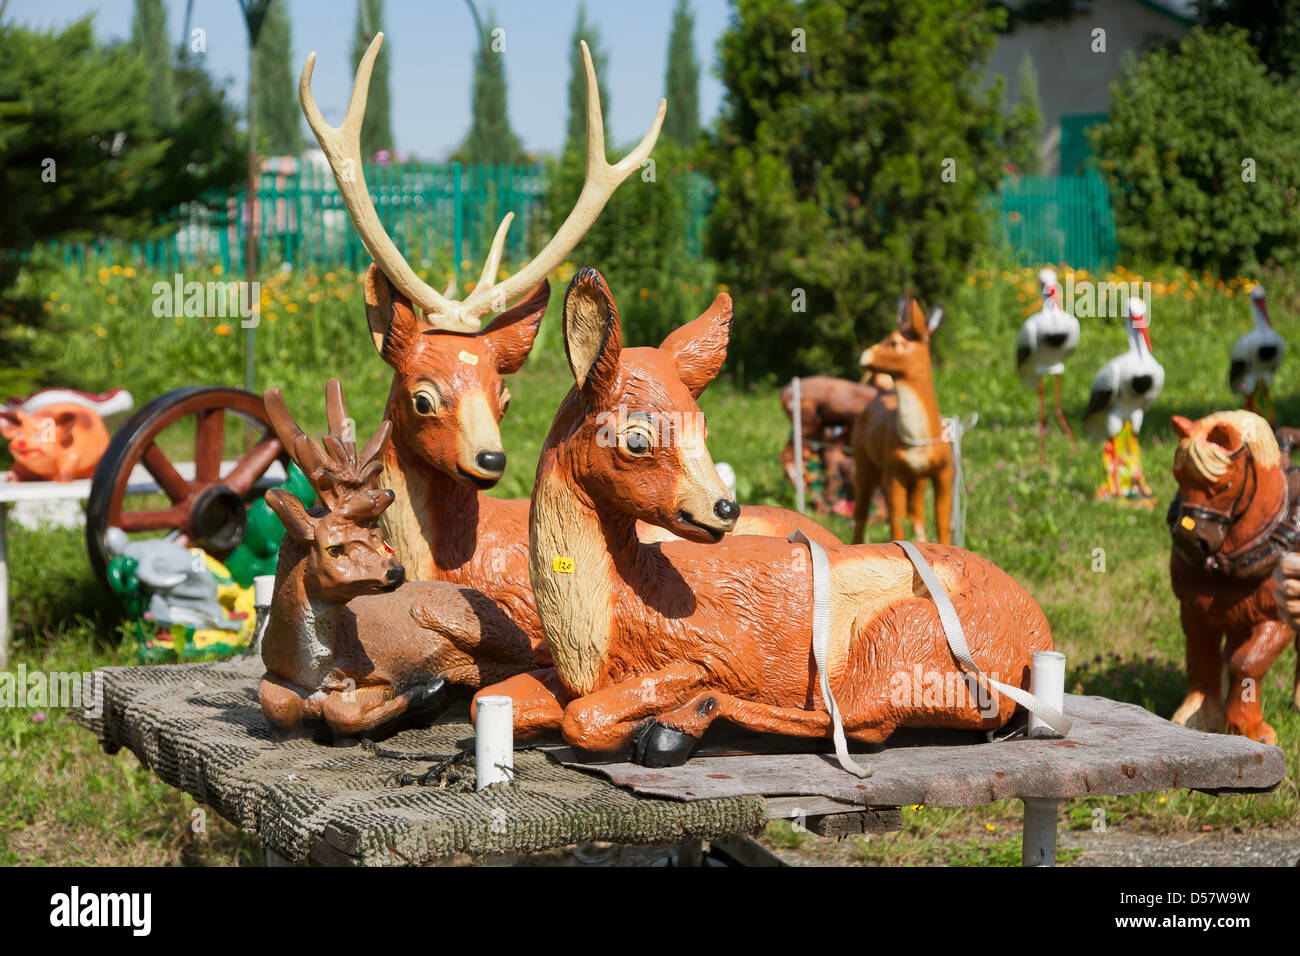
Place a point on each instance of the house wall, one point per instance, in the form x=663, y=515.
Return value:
x=1072, y=78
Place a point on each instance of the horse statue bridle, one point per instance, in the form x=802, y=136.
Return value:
x=1256, y=557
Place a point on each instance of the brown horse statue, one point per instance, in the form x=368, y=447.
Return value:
x=1236, y=513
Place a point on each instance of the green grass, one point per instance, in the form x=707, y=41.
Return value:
x=65, y=802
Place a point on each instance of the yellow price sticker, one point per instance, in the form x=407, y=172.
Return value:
x=469, y=358
x=563, y=565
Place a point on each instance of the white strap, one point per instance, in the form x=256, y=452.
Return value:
x=821, y=632
x=957, y=644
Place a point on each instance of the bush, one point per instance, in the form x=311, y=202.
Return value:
x=1201, y=153
x=840, y=122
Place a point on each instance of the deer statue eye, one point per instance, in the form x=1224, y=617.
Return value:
x=637, y=441
x=335, y=551
x=505, y=400
x=426, y=403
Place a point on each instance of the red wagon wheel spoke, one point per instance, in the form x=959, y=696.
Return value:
x=208, y=510
x=253, y=464
x=154, y=520
x=209, y=439
x=164, y=472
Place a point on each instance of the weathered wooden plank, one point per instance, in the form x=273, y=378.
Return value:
x=1113, y=748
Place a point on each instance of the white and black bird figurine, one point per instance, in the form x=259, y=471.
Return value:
x=1123, y=391
x=1045, y=341
x=1255, y=358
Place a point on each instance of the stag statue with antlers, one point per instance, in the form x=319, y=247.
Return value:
x=448, y=392
x=349, y=648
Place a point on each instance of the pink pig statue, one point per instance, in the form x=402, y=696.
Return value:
x=59, y=442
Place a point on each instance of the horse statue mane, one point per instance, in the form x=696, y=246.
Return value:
x=1198, y=454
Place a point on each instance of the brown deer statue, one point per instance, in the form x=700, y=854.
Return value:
x=899, y=440
x=654, y=642
x=349, y=648
x=448, y=392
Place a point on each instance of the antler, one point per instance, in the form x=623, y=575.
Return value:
x=344, y=480
x=342, y=146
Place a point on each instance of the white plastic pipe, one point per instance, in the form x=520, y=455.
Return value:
x=1047, y=682
x=263, y=592
x=263, y=589
x=494, y=740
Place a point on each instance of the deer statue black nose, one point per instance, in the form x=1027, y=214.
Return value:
x=726, y=510
x=491, y=460
x=396, y=575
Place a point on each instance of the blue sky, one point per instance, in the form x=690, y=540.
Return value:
x=431, y=43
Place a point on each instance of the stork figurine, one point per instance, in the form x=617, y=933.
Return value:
x=1045, y=341
x=1255, y=358
x=1123, y=391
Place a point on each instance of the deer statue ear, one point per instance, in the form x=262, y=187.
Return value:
x=700, y=347
x=393, y=325
x=932, y=323
x=292, y=515
x=916, y=325
x=593, y=339
x=1183, y=427
x=511, y=333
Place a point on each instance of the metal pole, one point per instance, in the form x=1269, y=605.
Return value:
x=796, y=422
x=250, y=239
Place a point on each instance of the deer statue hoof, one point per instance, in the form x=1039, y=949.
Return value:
x=658, y=745
x=428, y=699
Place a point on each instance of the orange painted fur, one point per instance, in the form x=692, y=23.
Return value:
x=653, y=642
x=447, y=397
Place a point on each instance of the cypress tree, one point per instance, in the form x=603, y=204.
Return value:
x=576, y=136
x=149, y=39
x=490, y=141
x=1029, y=115
x=682, y=122
x=278, y=112
x=377, y=128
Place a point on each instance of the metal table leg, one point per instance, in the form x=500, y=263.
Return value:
x=1039, y=845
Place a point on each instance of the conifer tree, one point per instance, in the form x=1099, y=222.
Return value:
x=377, y=128
x=278, y=129
x=682, y=122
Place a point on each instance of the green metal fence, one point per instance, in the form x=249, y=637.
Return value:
x=445, y=215
x=437, y=214
x=1058, y=219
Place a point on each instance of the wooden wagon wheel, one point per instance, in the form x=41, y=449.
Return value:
x=209, y=510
